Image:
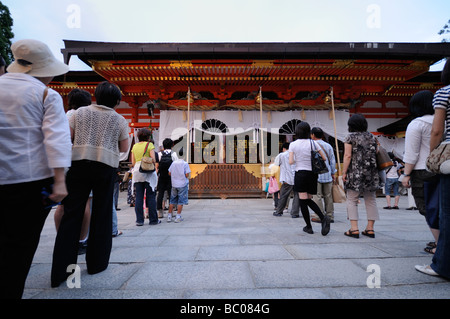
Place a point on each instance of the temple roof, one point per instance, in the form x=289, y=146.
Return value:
x=291, y=75
x=87, y=50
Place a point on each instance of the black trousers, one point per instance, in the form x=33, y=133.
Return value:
x=81, y=178
x=22, y=216
x=164, y=184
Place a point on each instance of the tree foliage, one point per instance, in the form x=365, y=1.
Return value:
x=6, y=34
x=445, y=31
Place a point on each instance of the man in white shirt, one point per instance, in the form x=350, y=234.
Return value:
x=287, y=172
x=324, y=181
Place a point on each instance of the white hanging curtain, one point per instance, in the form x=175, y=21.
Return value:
x=172, y=124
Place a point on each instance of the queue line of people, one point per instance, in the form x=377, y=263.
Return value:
x=92, y=153
x=361, y=176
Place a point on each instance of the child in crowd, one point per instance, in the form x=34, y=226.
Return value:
x=179, y=172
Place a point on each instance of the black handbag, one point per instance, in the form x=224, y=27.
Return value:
x=318, y=165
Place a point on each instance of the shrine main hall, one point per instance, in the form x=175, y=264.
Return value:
x=230, y=106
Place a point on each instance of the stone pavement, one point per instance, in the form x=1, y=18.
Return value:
x=236, y=248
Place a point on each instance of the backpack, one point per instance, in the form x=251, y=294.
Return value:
x=164, y=163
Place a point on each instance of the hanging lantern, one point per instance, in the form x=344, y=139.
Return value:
x=258, y=99
x=327, y=98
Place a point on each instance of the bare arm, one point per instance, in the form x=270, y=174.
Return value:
x=322, y=153
x=408, y=169
x=123, y=145
x=291, y=158
x=347, y=159
x=59, y=185
x=437, y=129
x=133, y=159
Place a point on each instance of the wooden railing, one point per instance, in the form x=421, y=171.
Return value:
x=223, y=181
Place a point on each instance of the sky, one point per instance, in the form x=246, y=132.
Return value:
x=162, y=21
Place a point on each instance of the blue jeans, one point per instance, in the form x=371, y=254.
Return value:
x=441, y=258
x=114, y=211
x=179, y=195
x=115, y=231
x=391, y=183
x=150, y=202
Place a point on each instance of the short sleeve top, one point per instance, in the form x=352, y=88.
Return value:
x=441, y=100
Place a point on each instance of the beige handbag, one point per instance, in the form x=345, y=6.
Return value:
x=438, y=156
x=147, y=165
x=338, y=191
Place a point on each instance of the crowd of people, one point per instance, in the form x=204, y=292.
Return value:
x=362, y=178
x=75, y=159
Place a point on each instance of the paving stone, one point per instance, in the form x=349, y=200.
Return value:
x=236, y=249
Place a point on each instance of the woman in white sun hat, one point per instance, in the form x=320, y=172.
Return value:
x=35, y=147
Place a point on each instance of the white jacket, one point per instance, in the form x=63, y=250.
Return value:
x=417, y=141
x=34, y=134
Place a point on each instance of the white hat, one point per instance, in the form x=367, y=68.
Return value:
x=35, y=58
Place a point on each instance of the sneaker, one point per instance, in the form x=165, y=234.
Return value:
x=308, y=230
x=426, y=270
x=387, y=207
x=139, y=224
x=178, y=219
x=82, y=246
x=169, y=218
x=277, y=214
x=395, y=207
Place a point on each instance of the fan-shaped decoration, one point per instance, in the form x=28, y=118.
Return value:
x=213, y=125
x=289, y=127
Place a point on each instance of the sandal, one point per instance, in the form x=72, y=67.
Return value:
x=352, y=233
x=369, y=233
x=432, y=244
x=430, y=250
x=118, y=234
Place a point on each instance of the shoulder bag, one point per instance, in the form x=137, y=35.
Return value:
x=384, y=161
x=318, y=165
x=438, y=156
x=147, y=165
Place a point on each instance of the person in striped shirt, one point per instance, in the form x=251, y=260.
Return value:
x=440, y=131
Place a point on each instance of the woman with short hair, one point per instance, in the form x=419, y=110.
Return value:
x=360, y=174
x=99, y=134
x=144, y=183
x=424, y=185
